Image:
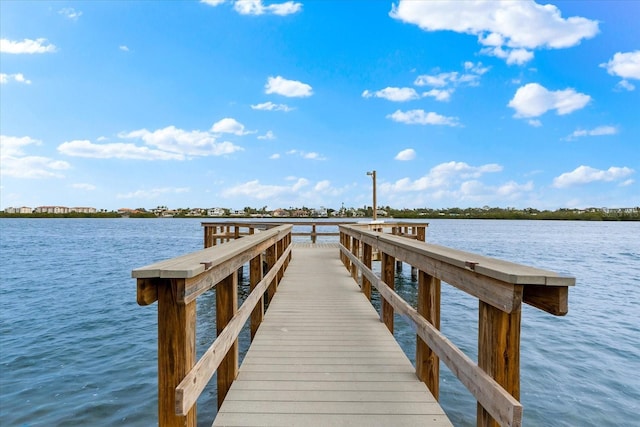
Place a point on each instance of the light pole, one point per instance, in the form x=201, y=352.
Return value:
x=372, y=174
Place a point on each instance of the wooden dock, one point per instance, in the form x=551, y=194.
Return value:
x=322, y=357
x=321, y=354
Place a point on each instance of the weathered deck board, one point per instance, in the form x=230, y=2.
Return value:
x=322, y=357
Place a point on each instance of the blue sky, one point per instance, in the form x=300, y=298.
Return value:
x=288, y=104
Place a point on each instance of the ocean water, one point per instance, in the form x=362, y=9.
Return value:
x=76, y=349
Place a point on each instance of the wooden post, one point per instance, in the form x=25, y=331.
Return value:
x=499, y=351
x=271, y=261
x=313, y=233
x=255, y=276
x=366, y=260
x=347, y=245
x=355, y=250
x=427, y=362
x=388, y=277
x=226, y=308
x=176, y=351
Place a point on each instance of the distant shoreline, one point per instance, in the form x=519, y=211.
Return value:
x=550, y=216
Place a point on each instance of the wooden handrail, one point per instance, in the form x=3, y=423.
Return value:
x=501, y=405
x=188, y=391
x=176, y=283
x=224, y=231
x=500, y=286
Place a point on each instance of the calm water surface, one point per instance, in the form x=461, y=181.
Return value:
x=76, y=349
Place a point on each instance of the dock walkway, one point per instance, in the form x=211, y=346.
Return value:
x=322, y=357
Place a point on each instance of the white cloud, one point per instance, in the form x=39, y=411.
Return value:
x=15, y=163
x=169, y=143
x=84, y=186
x=420, y=117
x=26, y=46
x=117, y=150
x=229, y=125
x=70, y=13
x=289, y=88
x=396, y=94
x=153, y=193
x=438, y=94
x=256, y=190
x=322, y=185
x=444, y=84
x=441, y=176
x=305, y=155
x=182, y=142
x=626, y=85
x=507, y=29
x=598, y=131
x=533, y=100
x=270, y=106
x=267, y=136
x=124, y=48
x=625, y=65
x=256, y=7
x=408, y=154
x=313, y=156
x=213, y=2
x=586, y=174
x=535, y=123
x=19, y=78
x=274, y=156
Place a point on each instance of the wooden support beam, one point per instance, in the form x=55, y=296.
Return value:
x=355, y=250
x=226, y=308
x=427, y=361
x=176, y=352
x=271, y=261
x=255, y=276
x=499, y=352
x=347, y=245
x=552, y=299
x=388, y=277
x=366, y=260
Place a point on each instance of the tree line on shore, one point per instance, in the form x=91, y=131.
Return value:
x=592, y=214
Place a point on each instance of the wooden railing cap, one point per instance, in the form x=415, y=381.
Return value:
x=191, y=265
x=504, y=271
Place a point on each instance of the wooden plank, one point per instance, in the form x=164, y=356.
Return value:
x=336, y=420
x=327, y=396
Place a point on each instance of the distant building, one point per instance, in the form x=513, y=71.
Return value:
x=280, y=213
x=52, y=209
x=21, y=210
x=215, y=212
x=83, y=210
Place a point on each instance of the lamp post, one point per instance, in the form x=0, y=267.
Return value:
x=372, y=174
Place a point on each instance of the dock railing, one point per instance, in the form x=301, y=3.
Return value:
x=217, y=232
x=176, y=283
x=501, y=287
